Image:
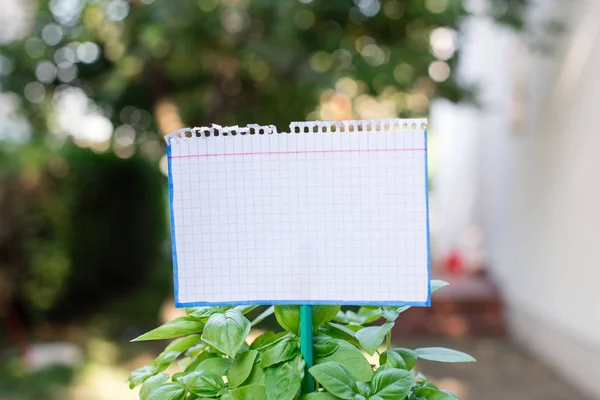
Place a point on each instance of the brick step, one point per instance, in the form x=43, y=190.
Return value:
x=470, y=306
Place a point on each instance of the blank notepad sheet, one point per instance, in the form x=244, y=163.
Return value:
x=330, y=213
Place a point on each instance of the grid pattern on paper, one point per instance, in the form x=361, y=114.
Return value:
x=301, y=218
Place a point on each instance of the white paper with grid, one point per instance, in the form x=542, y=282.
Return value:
x=337, y=216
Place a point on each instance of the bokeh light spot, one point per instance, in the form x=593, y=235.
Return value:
x=34, y=92
x=439, y=71
x=208, y=5
x=67, y=74
x=88, y=52
x=436, y=6
x=45, y=72
x=35, y=47
x=304, y=19
x=320, y=61
x=52, y=34
x=403, y=73
x=117, y=10
x=347, y=86
x=441, y=43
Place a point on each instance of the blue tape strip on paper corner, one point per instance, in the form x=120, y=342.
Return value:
x=179, y=304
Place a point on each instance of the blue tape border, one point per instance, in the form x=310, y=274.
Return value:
x=178, y=304
x=302, y=302
x=173, y=242
x=428, y=302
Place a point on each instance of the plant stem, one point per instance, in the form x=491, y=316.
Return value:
x=388, y=340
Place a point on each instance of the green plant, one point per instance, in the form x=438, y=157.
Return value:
x=216, y=362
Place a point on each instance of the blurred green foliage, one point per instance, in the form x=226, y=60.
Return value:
x=91, y=85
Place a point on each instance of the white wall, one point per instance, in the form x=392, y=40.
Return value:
x=538, y=184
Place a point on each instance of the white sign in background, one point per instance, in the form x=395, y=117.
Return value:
x=331, y=213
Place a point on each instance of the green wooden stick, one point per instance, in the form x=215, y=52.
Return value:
x=306, y=346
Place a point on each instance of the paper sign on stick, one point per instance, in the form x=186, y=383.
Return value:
x=330, y=213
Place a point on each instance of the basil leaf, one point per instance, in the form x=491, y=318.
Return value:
x=324, y=346
x=351, y=358
x=288, y=316
x=285, y=349
x=319, y=396
x=371, y=337
x=250, y=392
x=177, y=327
x=442, y=354
x=168, y=391
x=392, y=384
x=151, y=384
x=218, y=365
x=336, y=379
x=241, y=368
x=391, y=359
x=174, y=350
x=140, y=375
x=227, y=332
x=428, y=393
x=203, y=383
x=282, y=381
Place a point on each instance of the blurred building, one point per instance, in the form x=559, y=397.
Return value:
x=523, y=168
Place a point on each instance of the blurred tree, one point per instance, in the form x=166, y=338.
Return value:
x=237, y=61
x=112, y=75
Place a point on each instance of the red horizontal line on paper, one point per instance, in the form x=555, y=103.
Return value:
x=297, y=152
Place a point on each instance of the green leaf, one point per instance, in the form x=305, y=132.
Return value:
x=257, y=374
x=319, y=396
x=177, y=327
x=364, y=388
x=336, y=379
x=288, y=316
x=409, y=357
x=151, y=384
x=392, y=384
x=351, y=358
x=324, y=346
x=250, y=392
x=442, y=354
x=226, y=396
x=175, y=377
x=369, y=315
x=203, y=383
x=174, y=350
x=266, y=339
x=245, y=309
x=241, y=367
x=437, y=284
x=218, y=365
x=371, y=337
x=201, y=357
x=140, y=375
x=390, y=313
x=168, y=391
x=282, y=381
x=338, y=331
x=196, y=350
x=267, y=313
x=323, y=314
x=428, y=393
x=391, y=359
x=227, y=332
x=282, y=350
x=205, y=313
